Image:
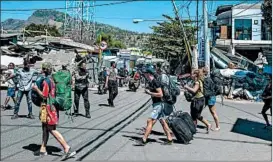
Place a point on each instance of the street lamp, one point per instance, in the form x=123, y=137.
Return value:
x=135, y=21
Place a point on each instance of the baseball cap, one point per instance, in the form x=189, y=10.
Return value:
x=46, y=65
x=148, y=69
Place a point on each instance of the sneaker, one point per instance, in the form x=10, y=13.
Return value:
x=217, y=129
x=31, y=116
x=39, y=153
x=88, y=115
x=141, y=142
x=15, y=116
x=109, y=102
x=68, y=155
x=76, y=113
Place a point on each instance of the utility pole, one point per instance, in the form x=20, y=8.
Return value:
x=82, y=24
x=185, y=38
x=197, y=13
x=207, y=49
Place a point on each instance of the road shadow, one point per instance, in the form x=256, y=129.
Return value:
x=51, y=150
x=128, y=90
x=174, y=141
x=19, y=116
x=107, y=105
x=143, y=129
x=201, y=127
x=135, y=139
x=252, y=129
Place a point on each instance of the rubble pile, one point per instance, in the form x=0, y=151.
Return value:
x=240, y=84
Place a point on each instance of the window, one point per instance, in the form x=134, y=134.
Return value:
x=243, y=29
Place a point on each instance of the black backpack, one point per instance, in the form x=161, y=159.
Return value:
x=208, y=87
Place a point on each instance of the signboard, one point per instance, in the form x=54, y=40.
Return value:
x=103, y=45
x=201, y=50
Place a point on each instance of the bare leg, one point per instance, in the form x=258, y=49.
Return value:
x=206, y=123
x=45, y=138
x=150, y=123
x=6, y=101
x=61, y=140
x=264, y=110
x=166, y=129
x=14, y=100
x=214, y=114
x=195, y=122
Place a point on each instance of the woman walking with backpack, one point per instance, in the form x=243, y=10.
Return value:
x=198, y=101
x=49, y=115
x=210, y=101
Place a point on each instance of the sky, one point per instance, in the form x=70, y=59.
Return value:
x=120, y=15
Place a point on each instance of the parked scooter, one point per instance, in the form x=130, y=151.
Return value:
x=134, y=82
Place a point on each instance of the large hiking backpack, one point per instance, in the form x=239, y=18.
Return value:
x=169, y=88
x=35, y=97
x=208, y=87
x=63, y=100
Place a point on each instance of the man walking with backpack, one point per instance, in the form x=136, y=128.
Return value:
x=50, y=118
x=111, y=83
x=81, y=88
x=210, y=97
x=160, y=108
x=25, y=77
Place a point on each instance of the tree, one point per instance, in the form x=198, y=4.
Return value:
x=267, y=12
x=52, y=30
x=167, y=39
x=112, y=43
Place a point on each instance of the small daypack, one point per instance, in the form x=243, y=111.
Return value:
x=63, y=99
x=35, y=97
x=208, y=87
x=170, y=90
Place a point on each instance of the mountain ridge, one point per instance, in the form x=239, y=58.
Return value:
x=57, y=18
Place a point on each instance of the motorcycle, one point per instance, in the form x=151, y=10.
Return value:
x=134, y=82
x=101, y=87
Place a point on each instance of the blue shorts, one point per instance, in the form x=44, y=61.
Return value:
x=11, y=92
x=161, y=111
x=211, y=101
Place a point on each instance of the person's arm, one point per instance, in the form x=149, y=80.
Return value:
x=10, y=77
x=194, y=89
x=158, y=93
x=107, y=78
x=78, y=77
x=44, y=93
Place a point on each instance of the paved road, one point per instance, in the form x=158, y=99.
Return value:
x=111, y=133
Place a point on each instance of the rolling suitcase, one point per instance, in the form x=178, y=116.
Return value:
x=188, y=120
x=180, y=129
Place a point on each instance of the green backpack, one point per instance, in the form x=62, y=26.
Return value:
x=63, y=100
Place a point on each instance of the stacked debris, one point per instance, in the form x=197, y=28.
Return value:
x=240, y=84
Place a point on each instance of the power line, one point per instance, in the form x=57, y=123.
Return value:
x=63, y=8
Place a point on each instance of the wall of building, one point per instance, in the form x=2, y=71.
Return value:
x=255, y=15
